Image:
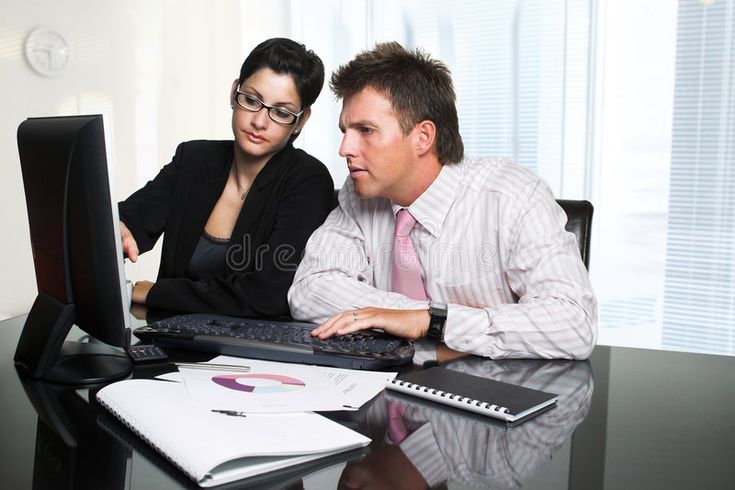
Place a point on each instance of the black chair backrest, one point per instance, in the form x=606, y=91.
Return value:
x=579, y=222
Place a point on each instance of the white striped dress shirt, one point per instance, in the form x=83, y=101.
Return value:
x=492, y=245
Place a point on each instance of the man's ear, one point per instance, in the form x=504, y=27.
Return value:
x=425, y=136
x=232, y=92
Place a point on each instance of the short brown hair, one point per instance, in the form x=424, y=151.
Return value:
x=419, y=87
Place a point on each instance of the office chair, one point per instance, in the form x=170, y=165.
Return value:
x=579, y=222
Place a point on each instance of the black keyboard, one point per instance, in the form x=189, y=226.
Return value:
x=275, y=340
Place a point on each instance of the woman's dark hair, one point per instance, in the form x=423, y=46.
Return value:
x=285, y=56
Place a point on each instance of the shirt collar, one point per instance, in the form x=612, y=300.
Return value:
x=431, y=208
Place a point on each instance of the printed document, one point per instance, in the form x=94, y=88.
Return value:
x=273, y=387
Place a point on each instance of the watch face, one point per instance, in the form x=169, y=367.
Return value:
x=47, y=52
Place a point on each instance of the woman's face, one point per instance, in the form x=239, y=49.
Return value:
x=257, y=136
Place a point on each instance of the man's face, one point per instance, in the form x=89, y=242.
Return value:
x=380, y=158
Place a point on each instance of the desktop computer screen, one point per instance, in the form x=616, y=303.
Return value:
x=77, y=253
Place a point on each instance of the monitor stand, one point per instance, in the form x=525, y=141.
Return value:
x=42, y=352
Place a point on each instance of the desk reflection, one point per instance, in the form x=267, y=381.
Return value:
x=80, y=445
x=71, y=451
x=419, y=444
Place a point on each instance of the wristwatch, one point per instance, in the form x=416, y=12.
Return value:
x=438, y=312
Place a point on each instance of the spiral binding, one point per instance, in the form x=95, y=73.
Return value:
x=121, y=415
x=491, y=407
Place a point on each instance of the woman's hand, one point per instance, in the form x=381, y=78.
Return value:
x=140, y=291
x=410, y=324
x=129, y=246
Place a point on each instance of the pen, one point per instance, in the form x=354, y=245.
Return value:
x=212, y=367
x=232, y=413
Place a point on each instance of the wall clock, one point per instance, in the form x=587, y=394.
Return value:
x=47, y=52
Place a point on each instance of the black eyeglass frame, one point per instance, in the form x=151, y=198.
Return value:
x=270, y=108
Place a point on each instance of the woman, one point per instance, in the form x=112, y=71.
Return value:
x=236, y=215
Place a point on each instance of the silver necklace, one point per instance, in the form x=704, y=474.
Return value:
x=236, y=173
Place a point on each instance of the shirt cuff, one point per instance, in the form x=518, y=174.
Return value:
x=422, y=450
x=467, y=329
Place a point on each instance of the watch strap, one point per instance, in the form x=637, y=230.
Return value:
x=437, y=321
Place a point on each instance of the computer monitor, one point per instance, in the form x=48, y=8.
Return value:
x=77, y=253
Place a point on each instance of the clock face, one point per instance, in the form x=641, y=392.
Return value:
x=47, y=52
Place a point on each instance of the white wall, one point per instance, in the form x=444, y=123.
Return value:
x=160, y=69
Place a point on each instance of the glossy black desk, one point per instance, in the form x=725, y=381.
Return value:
x=627, y=419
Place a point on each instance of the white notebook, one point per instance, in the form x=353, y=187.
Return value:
x=213, y=448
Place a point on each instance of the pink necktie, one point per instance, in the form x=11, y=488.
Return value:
x=397, y=430
x=405, y=268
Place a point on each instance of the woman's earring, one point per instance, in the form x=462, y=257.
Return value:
x=295, y=131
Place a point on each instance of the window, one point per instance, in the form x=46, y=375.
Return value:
x=699, y=284
x=665, y=175
x=628, y=104
x=519, y=68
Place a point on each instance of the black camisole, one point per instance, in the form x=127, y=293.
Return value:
x=208, y=259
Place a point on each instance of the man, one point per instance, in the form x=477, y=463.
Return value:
x=425, y=244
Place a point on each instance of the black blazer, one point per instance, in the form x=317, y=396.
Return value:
x=289, y=199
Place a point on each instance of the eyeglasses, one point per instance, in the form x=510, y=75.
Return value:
x=277, y=114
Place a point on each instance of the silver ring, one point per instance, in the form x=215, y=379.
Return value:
x=354, y=316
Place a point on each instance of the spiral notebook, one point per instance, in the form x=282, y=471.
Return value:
x=214, y=447
x=511, y=403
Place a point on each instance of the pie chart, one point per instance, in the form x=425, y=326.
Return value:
x=259, y=383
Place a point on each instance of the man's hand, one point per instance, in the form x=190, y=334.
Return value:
x=129, y=246
x=410, y=324
x=140, y=291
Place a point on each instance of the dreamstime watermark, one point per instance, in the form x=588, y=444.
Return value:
x=445, y=257
x=241, y=256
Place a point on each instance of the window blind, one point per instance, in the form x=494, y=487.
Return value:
x=699, y=288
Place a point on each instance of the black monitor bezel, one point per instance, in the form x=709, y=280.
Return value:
x=74, y=226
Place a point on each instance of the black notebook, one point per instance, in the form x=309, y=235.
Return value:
x=504, y=401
